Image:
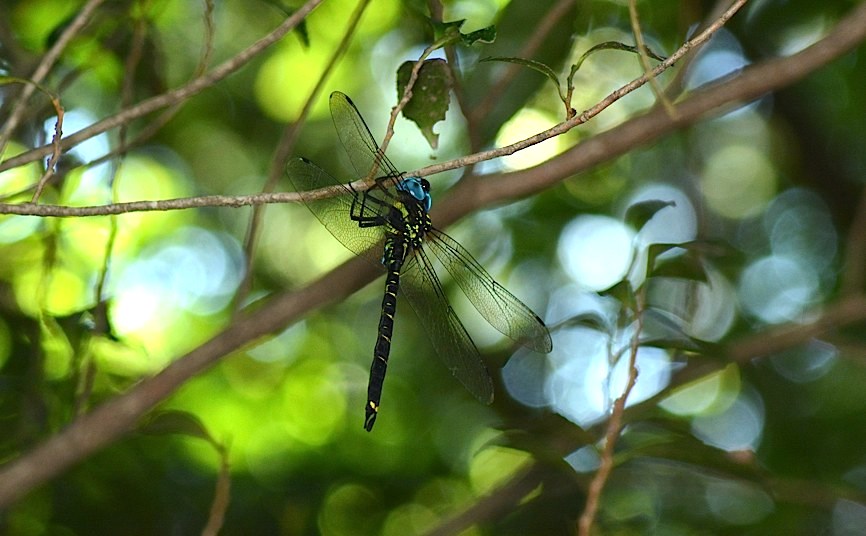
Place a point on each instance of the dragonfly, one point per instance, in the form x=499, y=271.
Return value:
x=389, y=224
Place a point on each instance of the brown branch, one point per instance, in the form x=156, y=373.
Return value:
x=854, y=269
x=503, y=499
x=644, y=58
x=59, y=211
x=847, y=310
x=108, y=422
x=719, y=97
x=614, y=425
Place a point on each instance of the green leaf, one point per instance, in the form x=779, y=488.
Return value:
x=448, y=33
x=622, y=292
x=535, y=66
x=653, y=252
x=484, y=35
x=688, y=266
x=58, y=352
x=639, y=213
x=176, y=422
x=611, y=45
x=662, y=331
x=590, y=319
x=431, y=95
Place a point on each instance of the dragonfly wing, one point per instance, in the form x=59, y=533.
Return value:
x=334, y=212
x=357, y=138
x=421, y=287
x=498, y=306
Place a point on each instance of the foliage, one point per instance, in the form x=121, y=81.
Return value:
x=164, y=367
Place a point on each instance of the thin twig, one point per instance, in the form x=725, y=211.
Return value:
x=453, y=66
x=614, y=425
x=51, y=165
x=165, y=116
x=58, y=211
x=209, y=32
x=854, y=270
x=645, y=60
x=222, y=494
x=101, y=321
x=395, y=111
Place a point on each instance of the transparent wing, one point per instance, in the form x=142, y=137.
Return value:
x=334, y=212
x=357, y=138
x=498, y=306
x=421, y=287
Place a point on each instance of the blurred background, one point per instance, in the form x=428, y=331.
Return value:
x=758, y=220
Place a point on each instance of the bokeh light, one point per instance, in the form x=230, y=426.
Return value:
x=596, y=251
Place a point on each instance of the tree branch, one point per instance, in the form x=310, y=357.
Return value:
x=108, y=422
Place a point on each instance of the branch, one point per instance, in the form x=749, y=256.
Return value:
x=853, y=271
x=60, y=211
x=614, y=425
x=108, y=422
x=847, y=310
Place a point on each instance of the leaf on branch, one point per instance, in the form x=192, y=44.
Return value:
x=612, y=45
x=535, y=66
x=593, y=320
x=431, y=95
x=287, y=12
x=484, y=35
x=638, y=214
x=177, y=422
x=663, y=331
x=690, y=266
x=448, y=33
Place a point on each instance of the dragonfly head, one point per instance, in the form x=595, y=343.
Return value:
x=418, y=188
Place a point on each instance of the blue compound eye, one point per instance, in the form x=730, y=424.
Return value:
x=418, y=188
